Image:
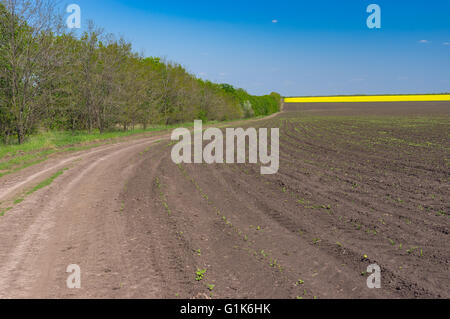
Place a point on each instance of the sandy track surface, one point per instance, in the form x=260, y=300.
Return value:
x=76, y=220
x=140, y=226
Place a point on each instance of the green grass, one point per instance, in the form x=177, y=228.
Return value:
x=2, y=212
x=39, y=147
x=18, y=201
x=41, y=185
x=46, y=182
x=57, y=139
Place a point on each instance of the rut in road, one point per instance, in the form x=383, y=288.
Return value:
x=75, y=221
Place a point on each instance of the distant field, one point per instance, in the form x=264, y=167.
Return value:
x=375, y=98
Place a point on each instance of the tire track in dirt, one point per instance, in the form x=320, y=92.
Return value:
x=73, y=221
x=15, y=182
x=79, y=219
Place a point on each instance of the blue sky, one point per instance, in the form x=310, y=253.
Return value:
x=296, y=48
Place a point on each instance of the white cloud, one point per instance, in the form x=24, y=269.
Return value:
x=424, y=41
x=274, y=21
x=446, y=43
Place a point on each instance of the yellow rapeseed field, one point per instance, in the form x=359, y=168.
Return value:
x=375, y=98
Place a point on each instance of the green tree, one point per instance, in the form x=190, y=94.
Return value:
x=29, y=57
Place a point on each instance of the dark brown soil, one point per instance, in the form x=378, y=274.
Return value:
x=354, y=180
x=370, y=184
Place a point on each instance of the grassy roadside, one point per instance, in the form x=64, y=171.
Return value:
x=39, y=186
x=38, y=148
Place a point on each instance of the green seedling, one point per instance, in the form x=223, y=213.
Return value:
x=157, y=182
x=440, y=213
x=200, y=273
x=273, y=263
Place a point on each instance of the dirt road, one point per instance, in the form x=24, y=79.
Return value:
x=140, y=226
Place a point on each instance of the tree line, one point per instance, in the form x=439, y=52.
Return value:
x=52, y=79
